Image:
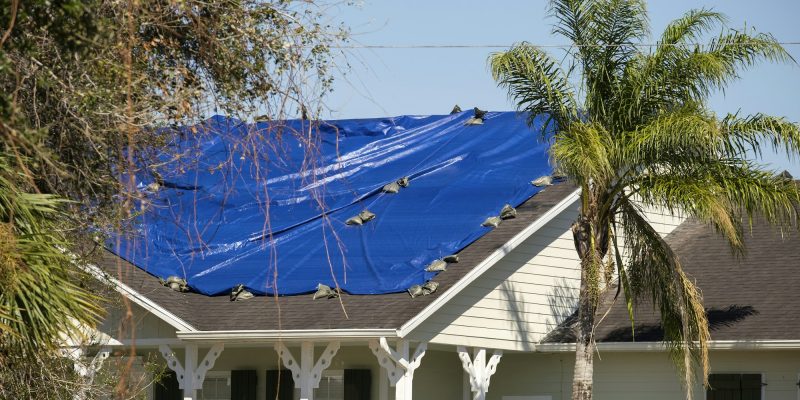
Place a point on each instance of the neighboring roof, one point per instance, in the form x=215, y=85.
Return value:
x=754, y=297
x=206, y=220
x=301, y=312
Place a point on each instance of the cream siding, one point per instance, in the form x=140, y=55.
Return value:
x=145, y=325
x=639, y=375
x=618, y=375
x=523, y=296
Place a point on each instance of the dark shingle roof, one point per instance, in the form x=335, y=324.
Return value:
x=750, y=297
x=301, y=312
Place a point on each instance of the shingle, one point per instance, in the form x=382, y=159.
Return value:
x=749, y=297
x=301, y=312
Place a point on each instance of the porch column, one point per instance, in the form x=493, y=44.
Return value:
x=308, y=373
x=399, y=366
x=480, y=371
x=190, y=374
x=189, y=388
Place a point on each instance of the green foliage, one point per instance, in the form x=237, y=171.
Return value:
x=39, y=295
x=84, y=87
x=84, y=81
x=44, y=375
x=642, y=135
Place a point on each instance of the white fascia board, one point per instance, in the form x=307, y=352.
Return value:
x=138, y=343
x=659, y=346
x=255, y=336
x=141, y=300
x=488, y=262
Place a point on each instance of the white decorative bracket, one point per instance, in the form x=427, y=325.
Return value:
x=207, y=364
x=84, y=370
x=190, y=375
x=399, y=366
x=96, y=363
x=173, y=363
x=480, y=371
x=308, y=373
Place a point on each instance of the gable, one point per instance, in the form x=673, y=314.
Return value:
x=525, y=295
x=143, y=325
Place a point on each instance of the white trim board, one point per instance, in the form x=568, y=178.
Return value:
x=256, y=336
x=487, y=263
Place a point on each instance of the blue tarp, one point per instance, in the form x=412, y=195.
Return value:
x=207, y=221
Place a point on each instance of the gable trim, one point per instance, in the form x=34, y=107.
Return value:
x=487, y=263
x=141, y=300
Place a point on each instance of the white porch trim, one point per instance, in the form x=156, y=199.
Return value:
x=480, y=371
x=307, y=373
x=399, y=366
x=487, y=263
x=85, y=370
x=191, y=375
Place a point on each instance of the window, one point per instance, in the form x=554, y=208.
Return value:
x=216, y=386
x=331, y=386
x=734, y=387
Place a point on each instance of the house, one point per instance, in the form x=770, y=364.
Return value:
x=495, y=327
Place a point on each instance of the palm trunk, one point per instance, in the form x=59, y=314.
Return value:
x=582, y=381
x=590, y=254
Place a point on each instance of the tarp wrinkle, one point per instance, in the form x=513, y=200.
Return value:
x=208, y=220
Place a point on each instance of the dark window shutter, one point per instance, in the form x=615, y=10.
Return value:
x=751, y=386
x=286, y=384
x=243, y=384
x=167, y=388
x=357, y=384
x=734, y=387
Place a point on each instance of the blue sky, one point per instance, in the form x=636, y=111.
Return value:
x=397, y=81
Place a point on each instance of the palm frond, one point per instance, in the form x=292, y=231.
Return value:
x=618, y=26
x=676, y=75
x=724, y=193
x=40, y=299
x=535, y=83
x=687, y=29
x=686, y=133
x=655, y=275
x=574, y=21
x=584, y=152
x=754, y=131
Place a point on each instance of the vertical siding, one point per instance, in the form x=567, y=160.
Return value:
x=525, y=295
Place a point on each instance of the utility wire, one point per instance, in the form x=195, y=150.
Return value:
x=505, y=46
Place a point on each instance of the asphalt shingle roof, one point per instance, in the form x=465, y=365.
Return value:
x=749, y=297
x=301, y=312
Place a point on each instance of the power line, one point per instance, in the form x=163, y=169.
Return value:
x=505, y=46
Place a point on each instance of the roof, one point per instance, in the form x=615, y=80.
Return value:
x=749, y=297
x=301, y=312
x=271, y=207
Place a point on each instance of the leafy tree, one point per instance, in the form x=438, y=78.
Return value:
x=643, y=135
x=87, y=88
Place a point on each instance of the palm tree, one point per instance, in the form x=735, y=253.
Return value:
x=643, y=135
x=41, y=298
